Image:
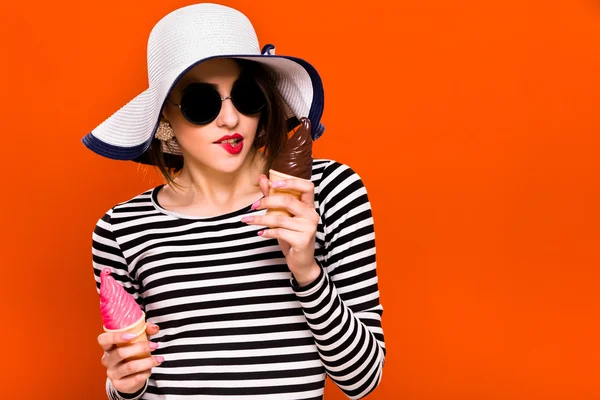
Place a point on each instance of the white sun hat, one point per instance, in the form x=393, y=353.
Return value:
x=178, y=42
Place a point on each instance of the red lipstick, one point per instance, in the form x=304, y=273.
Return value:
x=233, y=144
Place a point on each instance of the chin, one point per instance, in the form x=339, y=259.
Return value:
x=229, y=169
x=229, y=166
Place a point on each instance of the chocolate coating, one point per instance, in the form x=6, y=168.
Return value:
x=296, y=157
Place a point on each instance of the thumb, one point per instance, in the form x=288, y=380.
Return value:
x=263, y=182
x=151, y=328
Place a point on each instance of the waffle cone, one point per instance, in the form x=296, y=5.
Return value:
x=139, y=329
x=278, y=176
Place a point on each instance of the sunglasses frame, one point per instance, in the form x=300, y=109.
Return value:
x=220, y=104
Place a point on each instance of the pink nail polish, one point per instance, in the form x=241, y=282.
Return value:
x=260, y=233
x=128, y=336
x=247, y=219
x=278, y=184
x=255, y=205
x=160, y=359
x=153, y=345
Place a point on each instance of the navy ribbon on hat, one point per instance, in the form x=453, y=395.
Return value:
x=268, y=50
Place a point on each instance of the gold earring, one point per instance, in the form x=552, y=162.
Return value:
x=164, y=132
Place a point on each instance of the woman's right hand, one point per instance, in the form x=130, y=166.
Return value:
x=128, y=376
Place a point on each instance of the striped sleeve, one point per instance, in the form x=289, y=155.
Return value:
x=342, y=306
x=107, y=253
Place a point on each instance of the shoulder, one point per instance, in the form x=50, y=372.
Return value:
x=331, y=176
x=340, y=194
x=141, y=204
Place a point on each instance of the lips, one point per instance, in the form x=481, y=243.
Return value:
x=232, y=144
x=231, y=139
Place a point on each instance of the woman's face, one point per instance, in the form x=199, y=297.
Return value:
x=203, y=145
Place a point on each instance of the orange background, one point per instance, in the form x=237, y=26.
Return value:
x=474, y=124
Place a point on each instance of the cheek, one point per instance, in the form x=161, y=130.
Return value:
x=191, y=137
x=250, y=126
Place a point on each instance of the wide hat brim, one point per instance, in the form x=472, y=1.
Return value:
x=128, y=133
x=181, y=40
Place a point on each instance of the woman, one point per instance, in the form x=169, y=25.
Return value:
x=249, y=305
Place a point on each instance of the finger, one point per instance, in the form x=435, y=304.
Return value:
x=119, y=354
x=294, y=206
x=296, y=241
x=305, y=187
x=105, y=360
x=263, y=182
x=108, y=340
x=131, y=383
x=133, y=367
x=279, y=221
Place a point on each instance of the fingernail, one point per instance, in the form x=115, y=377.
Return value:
x=152, y=325
x=247, y=219
x=278, y=184
x=260, y=233
x=159, y=359
x=255, y=205
x=153, y=345
x=128, y=336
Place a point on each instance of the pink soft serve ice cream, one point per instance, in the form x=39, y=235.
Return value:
x=119, y=309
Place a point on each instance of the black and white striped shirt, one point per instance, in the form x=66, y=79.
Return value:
x=234, y=325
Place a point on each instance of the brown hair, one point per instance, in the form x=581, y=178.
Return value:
x=272, y=121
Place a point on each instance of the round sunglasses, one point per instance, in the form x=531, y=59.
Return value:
x=201, y=102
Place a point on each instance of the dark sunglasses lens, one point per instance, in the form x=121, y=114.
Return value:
x=200, y=103
x=247, y=96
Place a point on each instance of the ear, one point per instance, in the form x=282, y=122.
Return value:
x=165, y=112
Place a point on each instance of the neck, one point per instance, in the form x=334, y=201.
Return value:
x=199, y=184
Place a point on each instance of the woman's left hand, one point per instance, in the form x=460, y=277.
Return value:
x=295, y=234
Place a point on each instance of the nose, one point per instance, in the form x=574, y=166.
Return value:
x=229, y=115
